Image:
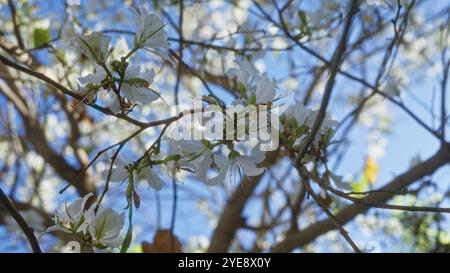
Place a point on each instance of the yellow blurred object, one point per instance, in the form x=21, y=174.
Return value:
x=371, y=170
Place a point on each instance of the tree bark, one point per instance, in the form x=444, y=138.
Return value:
x=309, y=234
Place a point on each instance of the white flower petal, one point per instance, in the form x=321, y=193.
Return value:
x=339, y=182
x=150, y=32
x=203, y=163
x=151, y=178
x=217, y=180
x=74, y=211
x=138, y=94
x=118, y=173
x=245, y=72
x=96, y=78
x=248, y=166
x=94, y=46
x=114, y=104
x=107, y=224
x=265, y=90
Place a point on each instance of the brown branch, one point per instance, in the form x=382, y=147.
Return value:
x=309, y=234
x=231, y=219
x=327, y=212
x=36, y=136
x=346, y=74
x=16, y=28
x=335, y=64
x=388, y=206
x=21, y=222
x=67, y=91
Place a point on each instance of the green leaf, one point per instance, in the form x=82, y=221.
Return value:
x=41, y=37
x=360, y=186
x=127, y=241
x=130, y=189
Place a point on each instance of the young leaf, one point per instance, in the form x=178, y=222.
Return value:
x=127, y=241
x=41, y=37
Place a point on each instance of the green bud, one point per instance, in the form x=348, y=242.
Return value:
x=233, y=154
x=241, y=88
x=207, y=143
x=252, y=99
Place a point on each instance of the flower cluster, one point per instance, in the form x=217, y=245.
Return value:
x=298, y=121
x=120, y=84
x=96, y=228
x=256, y=88
x=212, y=160
x=216, y=161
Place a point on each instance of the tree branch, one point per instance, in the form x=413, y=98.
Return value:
x=309, y=234
x=334, y=68
x=21, y=222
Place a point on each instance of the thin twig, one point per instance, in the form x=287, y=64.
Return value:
x=332, y=218
x=335, y=63
x=16, y=27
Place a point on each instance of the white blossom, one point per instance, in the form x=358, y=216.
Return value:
x=189, y=157
x=94, y=46
x=245, y=73
x=105, y=226
x=119, y=172
x=150, y=31
x=236, y=166
x=259, y=88
x=327, y=122
x=71, y=218
x=135, y=85
x=200, y=159
x=98, y=76
x=111, y=100
x=151, y=177
x=265, y=90
x=339, y=181
x=299, y=112
x=97, y=229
